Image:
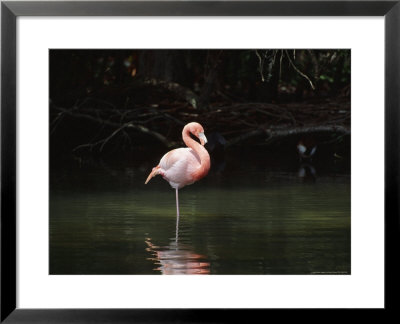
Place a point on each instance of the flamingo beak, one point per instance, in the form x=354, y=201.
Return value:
x=203, y=138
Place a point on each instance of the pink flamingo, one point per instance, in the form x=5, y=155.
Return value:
x=185, y=165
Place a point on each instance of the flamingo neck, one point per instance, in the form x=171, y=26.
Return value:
x=202, y=153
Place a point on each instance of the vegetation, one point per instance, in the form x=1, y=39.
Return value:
x=103, y=101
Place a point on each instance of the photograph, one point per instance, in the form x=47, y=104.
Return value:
x=144, y=143
x=200, y=161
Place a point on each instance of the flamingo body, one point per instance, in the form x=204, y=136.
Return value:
x=178, y=167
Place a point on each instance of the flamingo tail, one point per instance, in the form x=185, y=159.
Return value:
x=156, y=170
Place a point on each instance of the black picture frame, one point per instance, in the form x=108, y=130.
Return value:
x=10, y=10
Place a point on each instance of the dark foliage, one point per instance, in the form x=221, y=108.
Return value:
x=103, y=101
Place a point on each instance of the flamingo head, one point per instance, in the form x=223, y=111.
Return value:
x=197, y=130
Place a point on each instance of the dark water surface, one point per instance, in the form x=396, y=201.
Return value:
x=239, y=221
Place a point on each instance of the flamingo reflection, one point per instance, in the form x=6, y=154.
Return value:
x=177, y=259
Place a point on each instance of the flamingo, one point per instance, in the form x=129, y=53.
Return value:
x=185, y=165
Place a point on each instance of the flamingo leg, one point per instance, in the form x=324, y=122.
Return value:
x=177, y=216
x=177, y=203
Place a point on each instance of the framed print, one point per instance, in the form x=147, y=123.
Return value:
x=255, y=143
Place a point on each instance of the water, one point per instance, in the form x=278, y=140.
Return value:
x=241, y=221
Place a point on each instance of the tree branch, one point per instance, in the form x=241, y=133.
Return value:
x=273, y=133
x=130, y=124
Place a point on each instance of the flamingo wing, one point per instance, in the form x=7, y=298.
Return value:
x=178, y=165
